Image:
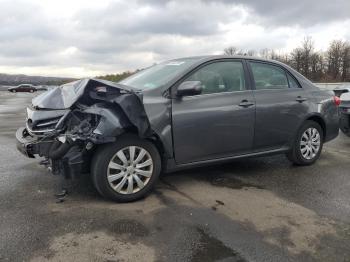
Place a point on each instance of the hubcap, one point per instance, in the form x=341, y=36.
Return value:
x=130, y=170
x=310, y=143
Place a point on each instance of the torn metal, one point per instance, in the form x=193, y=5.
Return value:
x=65, y=123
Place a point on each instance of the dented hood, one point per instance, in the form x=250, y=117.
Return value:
x=127, y=98
x=64, y=96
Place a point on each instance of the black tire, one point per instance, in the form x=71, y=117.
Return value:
x=295, y=155
x=102, y=158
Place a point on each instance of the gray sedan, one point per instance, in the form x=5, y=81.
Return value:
x=178, y=114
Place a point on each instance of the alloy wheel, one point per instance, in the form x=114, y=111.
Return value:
x=130, y=169
x=310, y=143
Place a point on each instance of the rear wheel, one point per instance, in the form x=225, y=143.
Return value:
x=307, y=145
x=126, y=170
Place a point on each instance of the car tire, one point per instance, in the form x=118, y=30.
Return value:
x=307, y=145
x=112, y=168
x=31, y=91
x=13, y=91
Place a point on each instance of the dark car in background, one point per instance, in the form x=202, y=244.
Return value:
x=23, y=88
x=178, y=114
x=343, y=92
x=344, y=110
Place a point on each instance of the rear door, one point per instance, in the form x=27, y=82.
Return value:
x=24, y=88
x=281, y=104
x=220, y=121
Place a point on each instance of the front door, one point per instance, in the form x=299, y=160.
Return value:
x=220, y=121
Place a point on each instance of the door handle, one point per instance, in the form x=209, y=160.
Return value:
x=246, y=103
x=301, y=99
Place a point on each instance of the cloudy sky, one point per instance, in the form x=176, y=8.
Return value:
x=87, y=38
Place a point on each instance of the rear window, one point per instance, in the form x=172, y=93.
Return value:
x=292, y=82
x=267, y=76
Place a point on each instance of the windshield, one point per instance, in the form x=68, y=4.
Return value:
x=158, y=75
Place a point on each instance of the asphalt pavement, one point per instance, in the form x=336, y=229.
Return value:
x=259, y=209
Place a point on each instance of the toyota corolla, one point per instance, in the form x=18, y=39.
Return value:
x=174, y=115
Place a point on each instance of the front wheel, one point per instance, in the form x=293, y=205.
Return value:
x=307, y=145
x=126, y=170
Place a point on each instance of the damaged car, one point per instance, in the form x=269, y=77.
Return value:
x=177, y=114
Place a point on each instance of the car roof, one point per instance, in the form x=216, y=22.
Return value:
x=208, y=58
x=203, y=59
x=216, y=57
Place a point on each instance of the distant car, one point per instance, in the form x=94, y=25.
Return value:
x=343, y=88
x=23, y=88
x=42, y=88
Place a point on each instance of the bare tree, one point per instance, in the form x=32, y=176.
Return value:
x=332, y=65
x=316, y=66
x=251, y=52
x=307, y=48
x=296, y=58
x=264, y=53
x=346, y=62
x=334, y=57
x=230, y=50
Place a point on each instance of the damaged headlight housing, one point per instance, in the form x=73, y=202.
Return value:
x=81, y=124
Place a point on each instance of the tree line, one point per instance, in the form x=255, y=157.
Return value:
x=332, y=65
x=117, y=77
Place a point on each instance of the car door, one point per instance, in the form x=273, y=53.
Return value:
x=219, y=122
x=24, y=88
x=281, y=104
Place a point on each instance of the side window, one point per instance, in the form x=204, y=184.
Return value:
x=220, y=77
x=268, y=76
x=292, y=82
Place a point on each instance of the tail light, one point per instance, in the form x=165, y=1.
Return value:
x=337, y=100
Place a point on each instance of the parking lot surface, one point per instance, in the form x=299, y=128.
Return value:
x=259, y=209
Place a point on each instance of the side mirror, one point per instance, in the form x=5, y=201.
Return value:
x=189, y=88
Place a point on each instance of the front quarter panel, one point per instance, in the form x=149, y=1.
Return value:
x=158, y=110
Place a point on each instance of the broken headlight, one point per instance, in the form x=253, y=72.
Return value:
x=81, y=124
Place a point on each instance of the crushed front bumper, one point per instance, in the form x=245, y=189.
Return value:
x=25, y=142
x=70, y=164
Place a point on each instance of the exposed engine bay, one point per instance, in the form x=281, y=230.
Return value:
x=66, y=123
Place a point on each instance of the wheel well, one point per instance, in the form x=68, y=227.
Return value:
x=154, y=139
x=321, y=122
x=158, y=143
